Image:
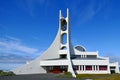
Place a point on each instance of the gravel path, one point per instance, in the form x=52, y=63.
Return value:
x=35, y=77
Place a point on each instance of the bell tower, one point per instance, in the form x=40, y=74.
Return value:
x=66, y=46
x=64, y=33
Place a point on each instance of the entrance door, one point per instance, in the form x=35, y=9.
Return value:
x=56, y=69
x=112, y=71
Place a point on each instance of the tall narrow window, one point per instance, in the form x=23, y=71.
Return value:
x=64, y=38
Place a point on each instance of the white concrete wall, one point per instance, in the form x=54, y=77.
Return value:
x=75, y=62
x=85, y=53
x=78, y=63
x=90, y=62
x=116, y=65
x=32, y=68
x=62, y=51
x=53, y=62
x=93, y=72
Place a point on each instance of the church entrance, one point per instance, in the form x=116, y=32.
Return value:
x=56, y=69
x=112, y=69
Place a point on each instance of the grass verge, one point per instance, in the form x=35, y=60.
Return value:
x=66, y=74
x=92, y=76
x=99, y=76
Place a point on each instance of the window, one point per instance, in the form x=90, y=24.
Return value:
x=91, y=56
x=63, y=67
x=88, y=67
x=102, y=67
x=50, y=67
x=73, y=56
x=63, y=56
x=113, y=67
x=78, y=56
x=76, y=67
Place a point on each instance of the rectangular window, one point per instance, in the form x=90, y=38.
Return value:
x=50, y=67
x=102, y=67
x=63, y=56
x=112, y=67
x=76, y=67
x=91, y=56
x=88, y=67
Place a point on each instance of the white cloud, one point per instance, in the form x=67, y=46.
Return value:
x=12, y=38
x=24, y=48
x=13, y=50
x=10, y=45
x=13, y=44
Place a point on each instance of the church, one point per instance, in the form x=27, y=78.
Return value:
x=62, y=57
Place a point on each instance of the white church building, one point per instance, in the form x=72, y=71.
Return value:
x=62, y=56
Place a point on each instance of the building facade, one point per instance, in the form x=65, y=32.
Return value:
x=62, y=56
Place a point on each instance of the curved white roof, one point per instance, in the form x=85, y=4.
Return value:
x=80, y=48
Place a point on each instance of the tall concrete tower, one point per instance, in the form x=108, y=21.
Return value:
x=66, y=40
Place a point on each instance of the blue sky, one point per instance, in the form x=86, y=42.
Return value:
x=28, y=27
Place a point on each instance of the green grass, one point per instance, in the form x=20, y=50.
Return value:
x=93, y=76
x=110, y=77
x=90, y=75
x=2, y=73
x=99, y=76
x=66, y=74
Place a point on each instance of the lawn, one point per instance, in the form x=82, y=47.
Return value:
x=99, y=76
x=94, y=76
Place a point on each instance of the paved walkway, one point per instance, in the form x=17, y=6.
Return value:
x=35, y=77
